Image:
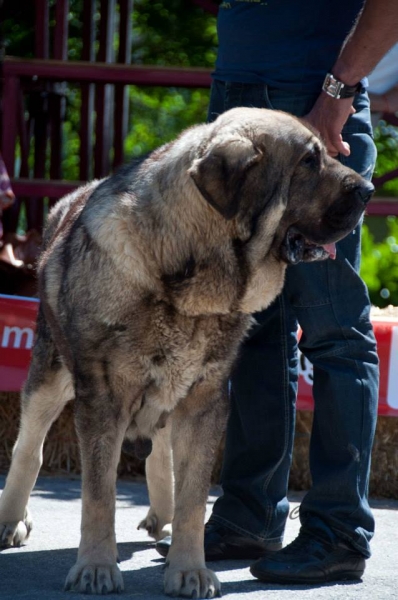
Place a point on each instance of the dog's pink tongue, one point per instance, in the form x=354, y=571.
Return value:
x=331, y=250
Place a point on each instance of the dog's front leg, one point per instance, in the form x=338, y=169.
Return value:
x=101, y=430
x=197, y=427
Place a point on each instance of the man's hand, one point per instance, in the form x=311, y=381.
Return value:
x=329, y=116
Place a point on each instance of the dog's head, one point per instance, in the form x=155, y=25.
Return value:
x=261, y=165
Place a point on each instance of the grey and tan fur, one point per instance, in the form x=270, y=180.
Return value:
x=147, y=283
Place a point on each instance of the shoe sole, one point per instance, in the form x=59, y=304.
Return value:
x=342, y=576
x=163, y=550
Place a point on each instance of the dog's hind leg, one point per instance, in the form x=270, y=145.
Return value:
x=46, y=392
x=160, y=481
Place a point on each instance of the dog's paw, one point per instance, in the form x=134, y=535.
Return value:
x=15, y=533
x=154, y=526
x=94, y=579
x=195, y=583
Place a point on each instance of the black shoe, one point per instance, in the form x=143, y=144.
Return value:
x=310, y=559
x=222, y=543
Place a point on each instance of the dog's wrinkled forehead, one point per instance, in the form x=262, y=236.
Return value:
x=262, y=126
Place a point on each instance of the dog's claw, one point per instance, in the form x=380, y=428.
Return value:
x=200, y=583
x=14, y=534
x=94, y=579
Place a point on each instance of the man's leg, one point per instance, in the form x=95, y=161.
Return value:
x=260, y=430
x=345, y=387
x=332, y=306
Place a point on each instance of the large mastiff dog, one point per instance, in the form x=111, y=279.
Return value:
x=147, y=283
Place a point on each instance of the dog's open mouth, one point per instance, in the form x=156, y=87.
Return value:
x=296, y=248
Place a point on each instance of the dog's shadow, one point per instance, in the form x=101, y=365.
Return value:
x=41, y=574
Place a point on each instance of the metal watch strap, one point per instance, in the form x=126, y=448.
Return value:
x=337, y=89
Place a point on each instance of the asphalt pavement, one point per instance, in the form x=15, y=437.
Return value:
x=38, y=570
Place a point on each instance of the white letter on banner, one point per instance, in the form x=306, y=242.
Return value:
x=18, y=332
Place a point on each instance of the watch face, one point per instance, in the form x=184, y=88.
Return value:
x=337, y=89
x=332, y=86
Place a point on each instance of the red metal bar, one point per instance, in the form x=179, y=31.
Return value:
x=11, y=93
x=56, y=116
x=104, y=93
x=61, y=30
x=23, y=136
x=87, y=94
x=9, y=134
x=43, y=187
x=34, y=208
x=383, y=207
x=107, y=73
x=121, y=113
x=42, y=29
x=57, y=98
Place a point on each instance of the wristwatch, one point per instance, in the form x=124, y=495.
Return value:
x=337, y=89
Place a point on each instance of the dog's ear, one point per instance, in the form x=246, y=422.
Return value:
x=221, y=172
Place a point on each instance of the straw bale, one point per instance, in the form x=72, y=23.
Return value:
x=61, y=452
x=383, y=477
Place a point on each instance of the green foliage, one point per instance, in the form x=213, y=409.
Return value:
x=159, y=114
x=17, y=28
x=386, y=139
x=379, y=265
x=174, y=33
x=168, y=34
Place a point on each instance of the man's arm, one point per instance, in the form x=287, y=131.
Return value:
x=374, y=33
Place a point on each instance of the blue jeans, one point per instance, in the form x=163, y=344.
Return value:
x=331, y=304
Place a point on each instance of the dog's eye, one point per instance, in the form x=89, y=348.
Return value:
x=310, y=160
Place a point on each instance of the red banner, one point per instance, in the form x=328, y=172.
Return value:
x=17, y=330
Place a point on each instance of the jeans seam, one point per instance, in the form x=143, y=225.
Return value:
x=347, y=341
x=270, y=508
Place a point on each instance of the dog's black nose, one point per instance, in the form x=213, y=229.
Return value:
x=364, y=191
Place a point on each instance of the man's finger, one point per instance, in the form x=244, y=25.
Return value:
x=338, y=146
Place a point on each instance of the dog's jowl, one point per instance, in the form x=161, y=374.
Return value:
x=148, y=280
